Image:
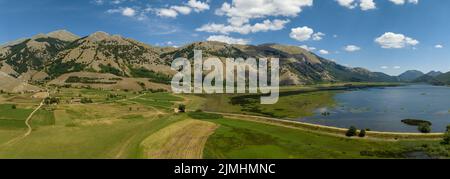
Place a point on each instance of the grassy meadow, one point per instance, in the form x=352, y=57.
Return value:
x=125, y=124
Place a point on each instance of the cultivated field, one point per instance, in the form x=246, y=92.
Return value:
x=93, y=123
x=182, y=140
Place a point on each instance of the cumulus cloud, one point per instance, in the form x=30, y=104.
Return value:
x=390, y=40
x=182, y=9
x=172, y=13
x=307, y=48
x=267, y=25
x=324, y=52
x=305, y=33
x=130, y=12
x=352, y=48
x=241, y=11
x=228, y=40
x=198, y=6
x=363, y=4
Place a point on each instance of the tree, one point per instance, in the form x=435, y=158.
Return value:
x=424, y=128
x=14, y=106
x=448, y=128
x=182, y=108
x=351, y=131
x=362, y=133
x=446, y=140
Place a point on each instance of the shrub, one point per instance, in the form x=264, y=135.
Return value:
x=446, y=140
x=351, y=131
x=202, y=115
x=86, y=100
x=182, y=108
x=14, y=106
x=362, y=133
x=424, y=128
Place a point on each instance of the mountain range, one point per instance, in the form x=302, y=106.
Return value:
x=48, y=56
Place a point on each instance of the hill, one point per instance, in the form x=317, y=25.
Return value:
x=410, y=75
x=54, y=54
x=11, y=84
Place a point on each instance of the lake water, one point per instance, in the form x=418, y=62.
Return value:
x=382, y=109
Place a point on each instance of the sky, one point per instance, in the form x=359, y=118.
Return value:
x=389, y=36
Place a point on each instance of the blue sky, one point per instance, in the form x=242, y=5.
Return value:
x=390, y=36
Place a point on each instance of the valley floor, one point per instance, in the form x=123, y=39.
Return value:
x=119, y=124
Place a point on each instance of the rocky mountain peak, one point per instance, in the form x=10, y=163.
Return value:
x=63, y=35
x=98, y=36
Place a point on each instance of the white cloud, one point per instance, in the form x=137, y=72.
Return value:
x=130, y=12
x=384, y=67
x=352, y=48
x=182, y=9
x=318, y=36
x=363, y=4
x=172, y=13
x=228, y=40
x=391, y=40
x=324, y=52
x=305, y=33
x=307, y=48
x=198, y=6
x=439, y=46
x=239, y=12
x=397, y=67
x=367, y=5
x=401, y=2
x=301, y=33
x=265, y=26
x=351, y=4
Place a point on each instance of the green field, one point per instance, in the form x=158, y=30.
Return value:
x=239, y=139
x=117, y=122
x=13, y=118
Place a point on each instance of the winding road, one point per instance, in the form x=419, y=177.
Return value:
x=28, y=120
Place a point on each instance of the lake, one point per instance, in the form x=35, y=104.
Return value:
x=382, y=109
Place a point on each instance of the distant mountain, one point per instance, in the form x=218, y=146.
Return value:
x=434, y=73
x=410, y=75
x=60, y=52
x=442, y=79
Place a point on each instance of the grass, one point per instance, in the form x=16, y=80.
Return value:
x=146, y=127
x=13, y=118
x=243, y=139
x=288, y=106
x=181, y=140
x=103, y=130
x=43, y=117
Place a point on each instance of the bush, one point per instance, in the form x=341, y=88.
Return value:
x=362, y=133
x=351, y=131
x=182, y=108
x=86, y=100
x=202, y=115
x=446, y=140
x=448, y=128
x=14, y=106
x=424, y=128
